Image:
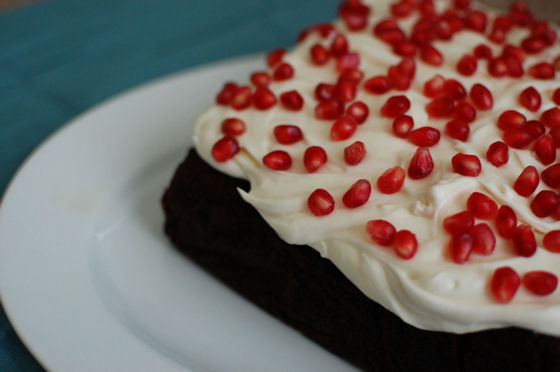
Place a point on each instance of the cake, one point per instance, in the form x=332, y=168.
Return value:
x=390, y=187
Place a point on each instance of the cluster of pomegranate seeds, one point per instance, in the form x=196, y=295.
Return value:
x=404, y=242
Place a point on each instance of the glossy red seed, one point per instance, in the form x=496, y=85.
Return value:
x=343, y=128
x=352, y=75
x=511, y=119
x=225, y=95
x=481, y=206
x=440, y=107
x=392, y=36
x=275, y=57
x=225, y=149
x=233, y=127
x=260, y=79
x=401, y=9
x=347, y=61
x=498, y=154
x=464, y=112
x=551, y=117
x=424, y=137
x=535, y=128
x=287, y=134
x=291, y=100
x=329, y=109
x=482, y=51
x=345, y=91
x=431, y=55
x=518, y=138
x=544, y=149
x=263, y=98
x=324, y=91
x=354, y=14
x=497, y=67
x=459, y=222
x=358, y=194
x=434, y=86
x=398, y=80
x=284, y=71
x=532, y=45
x=467, y=65
x=524, y=241
x=540, y=283
x=504, y=284
x=320, y=203
x=404, y=48
x=458, y=130
x=506, y=222
x=319, y=54
x=421, y=164
x=476, y=21
x=551, y=241
x=454, y=90
x=354, y=153
x=378, y=85
x=460, y=247
x=314, y=158
x=555, y=133
x=359, y=111
x=530, y=98
x=556, y=96
x=466, y=165
x=402, y=125
x=241, y=98
x=381, y=232
x=277, y=160
x=527, y=182
x=551, y=176
x=481, y=97
x=339, y=45
x=391, y=180
x=514, y=67
x=484, y=240
x=543, y=70
x=545, y=203
x=405, y=244
x=395, y=106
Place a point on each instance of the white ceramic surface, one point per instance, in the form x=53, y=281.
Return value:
x=88, y=278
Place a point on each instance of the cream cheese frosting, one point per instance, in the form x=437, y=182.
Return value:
x=429, y=291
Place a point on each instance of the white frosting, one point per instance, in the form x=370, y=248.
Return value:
x=428, y=291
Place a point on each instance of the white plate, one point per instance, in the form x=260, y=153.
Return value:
x=87, y=277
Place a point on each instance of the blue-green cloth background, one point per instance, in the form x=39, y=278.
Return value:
x=60, y=57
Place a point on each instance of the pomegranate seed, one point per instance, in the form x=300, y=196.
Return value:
x=421, y=164
x=329, y=109
x=481, y=206
x=319, y=54
x=543, y=70
x=556, y=96
x=476, y=21
x=225, y=95
x=502, y=23
x=339, y=45
x=511, y=119
x=405, y=244
x=544, y=149
x=481, y=97
x=459, y=222
x=555, y=133
x=347, y=61
x=461, y=4
x=517, y=138
x=460, y=247
x=484, y=240
x=506, y=222
x=440, y=107
x=424, y=137
x=497, y=35
x=225, y=149
x=504, y=284
x=540, y=283
x=434, y=86
x=401, y=9
x=482, y=51
x=314, y=158
x=233, y=127
x=524, y=241
x=263, y=98
x=498, y=154
x=284, y=71
x=402, y=125
x=511, y=51
x=454, y=90
x=378, y=85
x=381, y=232
x=278, y=160
x=343, y=128
x=532, y=45
x=551, y=176
x=358, y=194
x=406, y=67
x=291, y=100
x=345, y=91
x=551, y=117
x=398, y=80
x=241, y=98
x=514, y=67
x=320, y=202
x=287, y=134
x=395, y=106
x=324, y=91
x=359, y=111
x=466, y=165
x=260, y=79
x=404, y=48
x=464, y=112
x=530, y=98
x=354, y=153
x=551, y=241
x=391, y=180
x=535, y=128
x=352, y=75
x=467, y=65
x=354, y=14
x=275, y=57
x=431, y=55
x=458, y=130
x=545, y=203
x=390, y=35
x=527, y=181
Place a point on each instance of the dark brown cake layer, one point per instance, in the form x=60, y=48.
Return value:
x=207, y=220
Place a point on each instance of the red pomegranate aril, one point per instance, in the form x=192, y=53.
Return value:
x=358, y=194
x=511, y=51
x=287, y=134
x=457, y=129
x=354, y=153
x=345, y=91
x=481, y=206
x=514, y=67
x=319, y=54
x=461, y=4
x=277, y=160
x=359, y=111
x=481, y=97
x=329, y=109
x=511, y=119
x=405, y=244
x=484, y=240
x=543, y=70
x=378, y=85
x=459, y=222
x=401, y=9
x=263, y=98
x=506, y=222
x=454, y=89
x=555, y=133
x=339, y=45
x=434, y=86
x=464, y=112
x=535, y=128
x=530, y=98
x=381, y=232
x=314, y=158
x=544, y=149
x=497, y=67
x=275, y=57
x=545, y=203
x=524, y=241
x=233, y=127
x=551, y=176
x=551, y=117
x=467, y=65
x=421, y=164
x=498, y=154
x=476, y=21
x=556, y=96
x=424, y=137
x=404, y=48
x=354, y=13
x=460, y=247
x=241, y=98
x=527, y=182
x=347, y=61
x=320, y=203
x=431, y=55
x=291, y=100
x=391, y=180
x=353, y=75
x=385, y=25
x=402, y=125
x=260, y=79
x=496, y=35
x=225, y=95
x=284, y=71
x=504, y=284
x=392, y=36
x=502, y=23
x=395, y=106
x=518, y=138
x=540, y=283
x=324, y=91
x=225, y=149
x=466, y=165
x=407, y=68
x=440, y=107
x=551, y=241
x=482, y=51
x=343, y=128
x=532, y=44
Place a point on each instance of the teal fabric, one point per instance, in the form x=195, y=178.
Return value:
x=60, y=57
